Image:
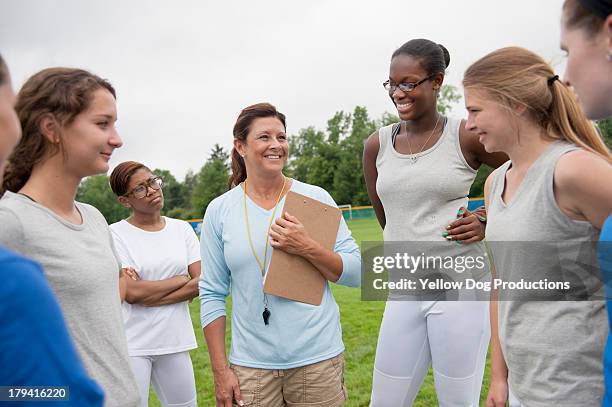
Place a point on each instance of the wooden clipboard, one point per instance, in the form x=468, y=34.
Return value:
x=291, y=276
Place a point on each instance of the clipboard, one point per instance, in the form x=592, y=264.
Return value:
x=291, y=276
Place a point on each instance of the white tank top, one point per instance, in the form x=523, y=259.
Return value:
x=421, y=193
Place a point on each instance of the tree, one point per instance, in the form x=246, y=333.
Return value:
x=605, y=128
x=211, y=181
x=174, y=192
x=349, y=184
x=96, y=191
x=449, y=95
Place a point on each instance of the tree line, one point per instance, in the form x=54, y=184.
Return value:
x=329, y=158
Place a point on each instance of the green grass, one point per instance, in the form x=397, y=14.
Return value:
x=360, y=324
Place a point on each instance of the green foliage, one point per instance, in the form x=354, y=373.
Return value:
x=449, y=95
x=211, y=181
x=477, y=189
x=174, y=192
x=96, y=191
x=605, y=127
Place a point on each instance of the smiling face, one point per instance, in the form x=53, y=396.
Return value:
x=90, y=139
x=422, y=99
x=266, y=148
x=588, y=70
x=492, y=122
x=10, y=129
x=152, y=203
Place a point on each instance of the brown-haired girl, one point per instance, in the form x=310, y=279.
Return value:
x=68, y=120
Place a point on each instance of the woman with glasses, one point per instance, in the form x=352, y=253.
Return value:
x=418, y=174
x=283, y=352
x=165, y=256
x=68, y=120
x=586, y=36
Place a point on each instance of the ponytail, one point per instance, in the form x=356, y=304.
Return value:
x=239, y=173
x=569, y=121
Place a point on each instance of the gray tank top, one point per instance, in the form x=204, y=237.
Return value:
x=553, y=349
x=421, y=193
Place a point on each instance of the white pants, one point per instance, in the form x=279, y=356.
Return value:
x=452, y=336
x=172, y=378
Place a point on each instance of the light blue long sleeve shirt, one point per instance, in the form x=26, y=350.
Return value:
x=298, y=334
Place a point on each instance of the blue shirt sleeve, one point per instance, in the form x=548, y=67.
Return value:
x=347, y=248
x=215, y=278
x=35, y=346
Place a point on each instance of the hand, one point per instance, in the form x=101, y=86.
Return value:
x=498, y=393
x=289, y=235
x=130, y=272
x=227, y=388
x=467, y=228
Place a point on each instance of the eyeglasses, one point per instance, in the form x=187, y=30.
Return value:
x=141, y=190
x=405, y=86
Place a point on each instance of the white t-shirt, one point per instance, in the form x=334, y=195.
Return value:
x=157, y=256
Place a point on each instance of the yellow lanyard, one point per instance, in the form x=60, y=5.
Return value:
x=262, y=265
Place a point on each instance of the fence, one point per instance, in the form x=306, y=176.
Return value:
x=349, y=213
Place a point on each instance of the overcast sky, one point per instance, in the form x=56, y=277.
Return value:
x=183, y=70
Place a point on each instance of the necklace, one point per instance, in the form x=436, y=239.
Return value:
x=415, y=158
x=262, y=264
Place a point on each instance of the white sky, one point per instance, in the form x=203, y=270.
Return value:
x=183, y=70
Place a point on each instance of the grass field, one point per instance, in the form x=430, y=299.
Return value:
x=360, y=324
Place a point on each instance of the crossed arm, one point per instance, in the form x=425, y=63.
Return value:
x=162, y=292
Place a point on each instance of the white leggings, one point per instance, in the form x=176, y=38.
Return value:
x=452, y=336
x=172, y=378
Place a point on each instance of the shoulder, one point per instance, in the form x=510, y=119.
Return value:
x=178, y=224
x=10, y=218
x=575, y=168
x=223, y=203
x=372, y=143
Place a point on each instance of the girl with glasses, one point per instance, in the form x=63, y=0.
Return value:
x=165, y=256
x=418, y=174
x=555, y=189
x=68, y=120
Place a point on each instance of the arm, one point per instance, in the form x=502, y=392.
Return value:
x=187, y=292
x=370, y=174
x=498, y=390
x=226, y=382
x=582, y=187
x=214, y=289
x=146, y=292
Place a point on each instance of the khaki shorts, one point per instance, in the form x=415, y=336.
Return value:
x=320, y=384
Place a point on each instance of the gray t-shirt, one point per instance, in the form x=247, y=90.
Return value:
x=81, y=267
x=553, y=349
